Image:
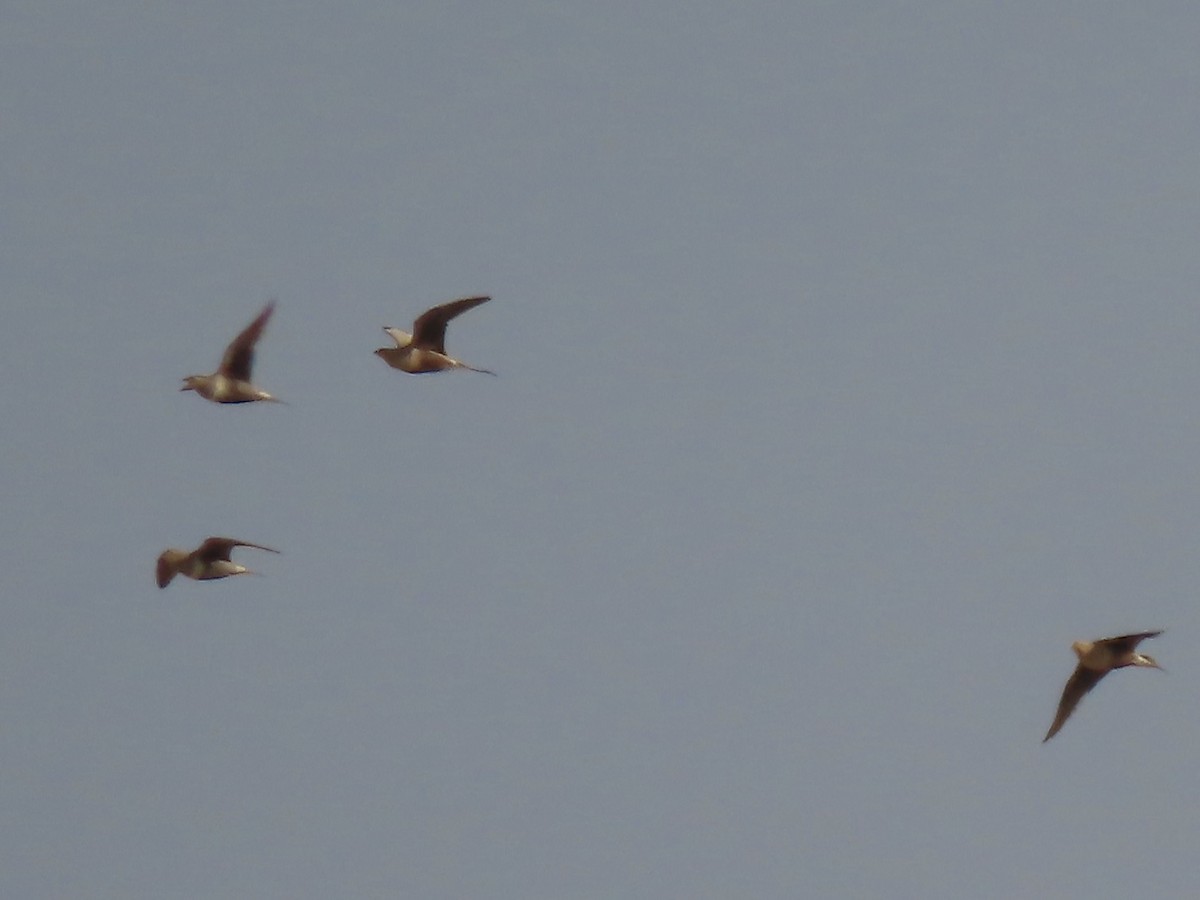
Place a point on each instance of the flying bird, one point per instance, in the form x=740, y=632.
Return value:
x=231, y=382
x=1097, y=659
x=425, y=349
x=208, y=561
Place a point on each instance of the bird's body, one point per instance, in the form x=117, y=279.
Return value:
x=425, y=349
x=221, y=389
x=1097, y=659
x=231, y=382
x=208, y=561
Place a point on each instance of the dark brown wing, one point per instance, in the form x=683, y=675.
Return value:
x=1126, y=643
x=220, y=547
x=1082, y=681
x=429, y=330
x=239, y=355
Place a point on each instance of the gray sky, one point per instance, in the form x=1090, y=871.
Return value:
x=848, y=372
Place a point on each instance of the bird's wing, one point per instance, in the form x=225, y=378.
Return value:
x=429, y=330
x=1126, y=643
x=400, y=337
x=220, y=547
x=1082, y=681
x=239, y=355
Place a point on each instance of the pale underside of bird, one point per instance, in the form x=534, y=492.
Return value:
x=425, y=349
x=208, y=561
x=1097, y=659
x=231, y=382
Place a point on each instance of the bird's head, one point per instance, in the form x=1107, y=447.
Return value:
x=168, y=566
x=192, y=382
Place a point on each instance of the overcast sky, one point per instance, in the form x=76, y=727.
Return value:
x=848, y=372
